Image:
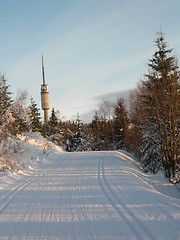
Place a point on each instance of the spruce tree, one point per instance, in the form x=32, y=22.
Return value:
x=34, y=115
x=53, y=122
x=150, y=149
x=5, y=97
x=120, y=123
x=80, y=142
x=55, y=131
x=96, y=133
x=161, y=103
x=6, y=116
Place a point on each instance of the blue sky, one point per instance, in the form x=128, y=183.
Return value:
x=92, y=48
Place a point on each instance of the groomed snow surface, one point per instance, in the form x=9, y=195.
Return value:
x=89, y=195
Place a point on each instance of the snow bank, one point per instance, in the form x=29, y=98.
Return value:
x=130, y=157
x=158, y=182
x=25, y=151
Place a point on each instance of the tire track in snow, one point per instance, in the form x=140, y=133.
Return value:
x=134, y=223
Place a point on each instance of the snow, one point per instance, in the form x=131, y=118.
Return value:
x=86, y=195
x=27, y=149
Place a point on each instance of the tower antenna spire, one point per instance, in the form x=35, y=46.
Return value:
x=43, y=69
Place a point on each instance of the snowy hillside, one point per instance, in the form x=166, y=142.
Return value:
x=24, y=151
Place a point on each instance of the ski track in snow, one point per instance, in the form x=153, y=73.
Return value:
x=135, y=226
x=8, y=198
x=90, y=195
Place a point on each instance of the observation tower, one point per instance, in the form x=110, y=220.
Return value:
x=45, y=98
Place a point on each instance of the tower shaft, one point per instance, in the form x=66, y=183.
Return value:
x=46, y=120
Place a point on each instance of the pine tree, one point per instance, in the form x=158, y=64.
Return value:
x=34, y=116
x=161, y=103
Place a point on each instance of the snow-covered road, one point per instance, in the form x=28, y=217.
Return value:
x=91, y=195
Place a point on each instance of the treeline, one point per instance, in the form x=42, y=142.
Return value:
x=149, y=127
